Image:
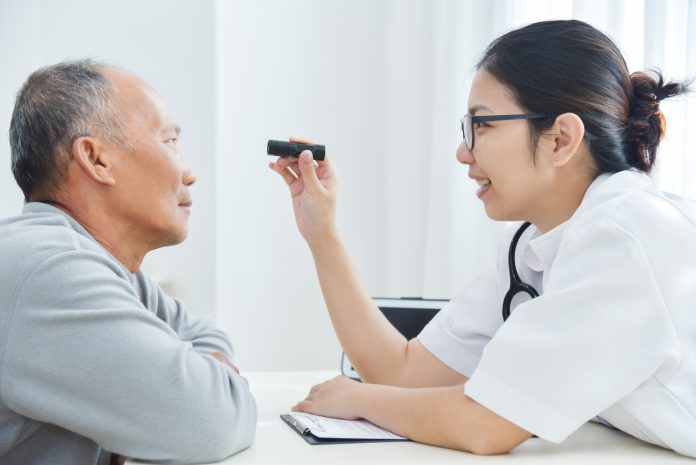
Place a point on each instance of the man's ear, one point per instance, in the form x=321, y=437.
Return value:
x=568, y=132
x=93, y=160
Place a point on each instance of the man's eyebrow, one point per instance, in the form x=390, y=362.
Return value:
x=476, y=108
x=172, y=127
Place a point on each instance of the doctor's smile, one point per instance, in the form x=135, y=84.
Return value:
x=483, y=183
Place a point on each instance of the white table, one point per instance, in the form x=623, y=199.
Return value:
x=277, y=444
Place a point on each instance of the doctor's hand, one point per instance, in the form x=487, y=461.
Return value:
x=336, y=398
x=313, y=187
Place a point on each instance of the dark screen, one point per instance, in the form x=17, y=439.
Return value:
x=409, y=321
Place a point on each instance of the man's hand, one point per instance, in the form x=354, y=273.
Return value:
x=223, y=358
x=117, y=460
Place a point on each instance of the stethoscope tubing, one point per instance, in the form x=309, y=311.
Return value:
x=516, y=284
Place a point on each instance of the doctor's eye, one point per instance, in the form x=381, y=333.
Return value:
x=479, y=124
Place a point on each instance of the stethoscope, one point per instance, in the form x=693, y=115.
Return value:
x=516, y=284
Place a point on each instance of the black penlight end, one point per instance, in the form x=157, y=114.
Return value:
x=280, y=148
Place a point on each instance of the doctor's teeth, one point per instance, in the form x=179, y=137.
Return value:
x=483, y=182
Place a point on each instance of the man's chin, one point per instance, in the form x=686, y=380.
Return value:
x=178, y=238
x=170, y=238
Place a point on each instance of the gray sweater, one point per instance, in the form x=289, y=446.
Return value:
x=94, y=358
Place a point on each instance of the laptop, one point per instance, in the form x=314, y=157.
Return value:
x=408, y=315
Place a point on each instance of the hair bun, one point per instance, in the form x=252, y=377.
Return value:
x=646, y=124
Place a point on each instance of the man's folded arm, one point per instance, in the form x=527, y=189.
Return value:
x=85, y=354
x=199, y=330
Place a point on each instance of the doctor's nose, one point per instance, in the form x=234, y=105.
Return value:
x=464, y=155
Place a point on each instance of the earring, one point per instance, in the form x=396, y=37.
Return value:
x=555, y=158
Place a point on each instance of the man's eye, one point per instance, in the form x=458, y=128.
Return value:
x=171, y=141
x=480, y=124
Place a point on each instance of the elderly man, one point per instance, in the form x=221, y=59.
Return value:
x=94, y=358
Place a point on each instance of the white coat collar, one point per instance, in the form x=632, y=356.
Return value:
x=541, y=249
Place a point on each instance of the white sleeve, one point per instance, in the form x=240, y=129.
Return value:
x=458, y=333
x=599, y=330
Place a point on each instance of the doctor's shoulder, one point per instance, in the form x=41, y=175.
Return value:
x=631, y=202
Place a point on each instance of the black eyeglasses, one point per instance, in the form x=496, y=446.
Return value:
x=468, y=122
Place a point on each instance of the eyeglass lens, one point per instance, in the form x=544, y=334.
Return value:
x=467, y=131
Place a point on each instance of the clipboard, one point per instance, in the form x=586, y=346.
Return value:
x=306, y=434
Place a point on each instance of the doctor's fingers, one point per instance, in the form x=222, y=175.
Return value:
x=303, y=406
x=301, y=140
x=314, y=177
x=322, y=165
x=323, y=169
x=308, y=172
x=319, y=391
x=286, y=161
x=293, y=164
x=285, y=172
x=315, y=389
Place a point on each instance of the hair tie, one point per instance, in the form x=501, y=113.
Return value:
x=663, y=125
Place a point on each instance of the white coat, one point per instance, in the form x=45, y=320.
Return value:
x=613, y=333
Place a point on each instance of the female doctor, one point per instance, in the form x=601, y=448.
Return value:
x=598, y=281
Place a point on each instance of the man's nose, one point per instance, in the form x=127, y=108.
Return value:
x=189, y=176
x=464, y=155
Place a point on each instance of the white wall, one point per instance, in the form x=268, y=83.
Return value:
x=171, y=45
x=306, y=68
x=20, y=51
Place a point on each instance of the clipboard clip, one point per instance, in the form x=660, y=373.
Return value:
x=297, y=424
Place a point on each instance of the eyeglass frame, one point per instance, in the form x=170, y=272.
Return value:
x=485, y=118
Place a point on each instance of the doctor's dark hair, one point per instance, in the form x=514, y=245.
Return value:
x=56, y=105
x=556, y=67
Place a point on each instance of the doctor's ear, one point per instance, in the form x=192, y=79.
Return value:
x=564, y=138
x=94, y=161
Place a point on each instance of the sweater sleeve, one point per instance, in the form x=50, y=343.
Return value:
x=200, y=331
x=83, y=352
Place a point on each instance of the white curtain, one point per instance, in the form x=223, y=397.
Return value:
x=438, y=235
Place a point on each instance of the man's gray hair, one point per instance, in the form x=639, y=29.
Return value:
x=56, y=105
